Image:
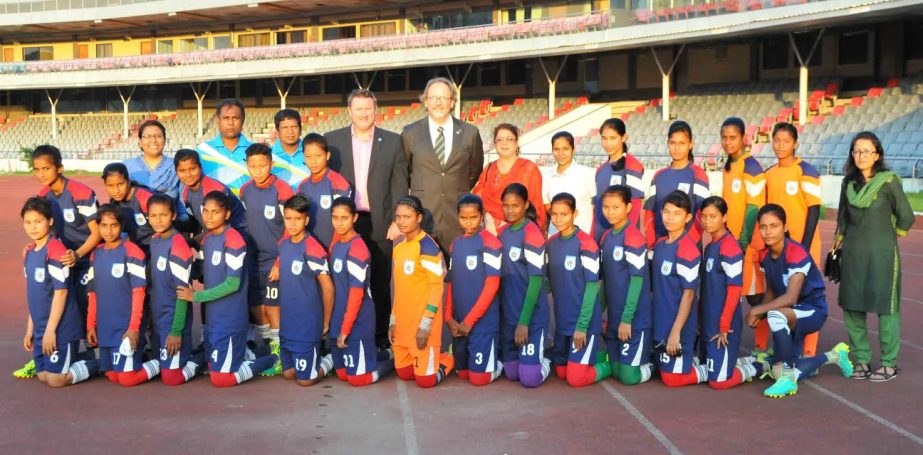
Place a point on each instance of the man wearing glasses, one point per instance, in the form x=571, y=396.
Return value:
x=445, y=157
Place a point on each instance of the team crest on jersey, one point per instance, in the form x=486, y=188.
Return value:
x=570, y=262
x=709, y=264
x=216, y=258
x=338, y=265
x=618, y=253
x=162, y=263
x=297, y=266
x=736, y=185
x=118, y=270
x=615, y=180
x=791, y=188
x=471, y=262
x=684, y=187
x=40, y=275
x=269, y=211
x=325, y=201
x=140, y=220
x=666, y=268
x=515, y=253
x=408, y=267
x=69, y=215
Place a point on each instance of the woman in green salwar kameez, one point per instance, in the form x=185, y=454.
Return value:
x=873, y=214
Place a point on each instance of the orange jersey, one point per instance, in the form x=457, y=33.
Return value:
x=796, y=188
x=744, y=184
x=417, y=268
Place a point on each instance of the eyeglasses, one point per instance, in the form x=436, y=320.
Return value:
x=152, y=137
x=501, y=140
x=439, y=99
x=863, y=153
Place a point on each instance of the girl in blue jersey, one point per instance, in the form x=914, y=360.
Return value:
x=54, y=326
x=681, y=175
x=225, y=281
x=573, y=267
x=524, y=302
x=132, y=198
x=170, y=266
x=472, y=313
x=118, y=288
x=352, y=325
x=675, y=272
x=626, y=289
x=305, y=298
x=722, y=282
x=794, y=304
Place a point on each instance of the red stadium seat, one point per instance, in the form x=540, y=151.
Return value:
x=875, y=92
x=818, y=119
x=857, y=101
x=838, y=111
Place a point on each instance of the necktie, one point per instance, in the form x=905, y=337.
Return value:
x=440, y=146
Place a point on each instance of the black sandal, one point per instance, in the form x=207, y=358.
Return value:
x=861, y=371
x=882, y=374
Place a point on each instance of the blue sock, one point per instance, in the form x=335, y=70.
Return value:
x=781, y=338
x=263, y=363
x=807, y=365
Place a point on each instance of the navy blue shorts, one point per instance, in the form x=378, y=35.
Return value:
x=722, y=361
x=303, y=357
x=680, y=364
x=530, y=353
x=477, y=352
x=226, y=354
x=565, y=352
x=59, y=362
x=635, y=352
x=358, y=357
x=269, y=289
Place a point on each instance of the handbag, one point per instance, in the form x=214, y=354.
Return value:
x=832, y=266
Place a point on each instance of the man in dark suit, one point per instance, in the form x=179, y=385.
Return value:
x=445, y=156
x=373, y=162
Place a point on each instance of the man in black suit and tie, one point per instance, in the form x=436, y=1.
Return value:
x=445, y=156
x=373, y=162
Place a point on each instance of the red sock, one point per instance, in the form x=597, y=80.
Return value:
x=580, y=375
x=426, y=381
x=560, y=371
x=464, y=374
x=481, y=379
x=360, y=380
x=172, y=376
x=679, y=379
x=405, y=373
x=133, y=378
x=341, y=374
x=732, y=381
x=112, y=376
x=761, y=335
x=223, y=379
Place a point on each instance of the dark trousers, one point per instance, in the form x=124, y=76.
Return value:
x=380, y=279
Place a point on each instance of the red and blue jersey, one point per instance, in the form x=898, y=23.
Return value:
x=523, y=258
x=134, y=210
x=171, y=264
x=691, y=180
x=350, y=261
x=194, y=203
x=474, y=258
x=722, y=267
x=321, y=193
x=300, y=301
x=573, y=262
x=45, y=274
x=675, y=268
x=224, y=256
x=72, y=210
x=626, y=171
x=264, y=215
x=623, y=255
x=113, y=274
x=795, y=259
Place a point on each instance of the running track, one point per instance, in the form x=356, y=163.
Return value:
x=270, y=415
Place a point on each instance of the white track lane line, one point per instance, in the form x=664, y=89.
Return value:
x=662, y=438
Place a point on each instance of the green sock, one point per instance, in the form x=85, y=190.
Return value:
x=603, y=371
x=616, y=370
x=630, y=375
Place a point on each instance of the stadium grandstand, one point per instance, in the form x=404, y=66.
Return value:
x=84, y=74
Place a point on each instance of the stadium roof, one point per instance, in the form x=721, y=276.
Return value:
x=141, y=17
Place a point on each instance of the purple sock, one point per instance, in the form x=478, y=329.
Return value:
x=531, y=375
x=511, y=369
